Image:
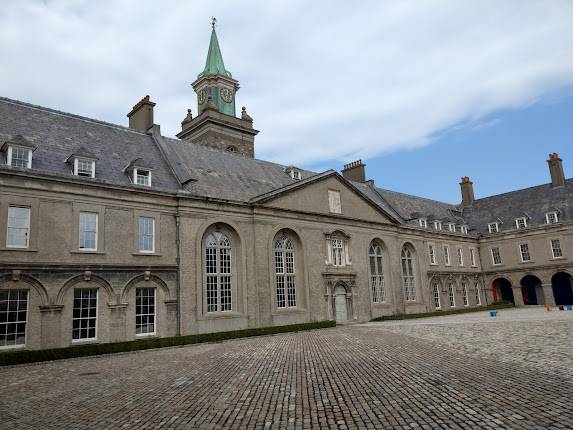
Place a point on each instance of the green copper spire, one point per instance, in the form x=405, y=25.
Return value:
x=214, y=64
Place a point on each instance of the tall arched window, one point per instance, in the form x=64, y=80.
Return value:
x=408, y=274
x=285, y=276
x=376, y=273
x=436, y=292
x=218, y=272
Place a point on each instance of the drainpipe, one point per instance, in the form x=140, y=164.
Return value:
x=484, y=291
x=178, y=262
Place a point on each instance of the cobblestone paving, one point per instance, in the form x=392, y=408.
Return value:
x=423, y=374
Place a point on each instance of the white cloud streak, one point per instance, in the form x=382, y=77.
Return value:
x=325, y=81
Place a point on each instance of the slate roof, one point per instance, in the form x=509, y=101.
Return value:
x=532, y=203
x=211, y=173
x=58, y=135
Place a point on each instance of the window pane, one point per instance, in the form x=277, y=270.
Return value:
x=18, y=227
x=84, y=313
x=13, y=317
x=88, y=230
x=145, y=311
x=146, y=234
x=20, y=157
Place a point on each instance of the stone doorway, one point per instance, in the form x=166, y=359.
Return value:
x=340, y=303
x=562, y=289
x=531, y=290
x=502, y=290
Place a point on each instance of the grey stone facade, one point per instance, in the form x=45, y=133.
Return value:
x=197, y=192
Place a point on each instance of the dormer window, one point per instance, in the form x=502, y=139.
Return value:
x=464, y=229
x=423, y=222
x=493, y=227
x=521, y=222
x=19, y=152
x=139, y=173
x=451, y=227
x=551, y=217
x=142, y=177
x=437, y=225
x=84, y=167
x=294, y=173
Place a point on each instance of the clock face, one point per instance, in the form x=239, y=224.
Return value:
x=202, y=96
x=226, y=95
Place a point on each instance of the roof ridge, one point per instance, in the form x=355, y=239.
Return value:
x=519, y=190
x=71, y=115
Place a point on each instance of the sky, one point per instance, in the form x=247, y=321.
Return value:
x=423, y=91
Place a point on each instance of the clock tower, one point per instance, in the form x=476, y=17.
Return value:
x=216, y=124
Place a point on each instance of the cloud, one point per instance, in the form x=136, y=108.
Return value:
x=324, y=81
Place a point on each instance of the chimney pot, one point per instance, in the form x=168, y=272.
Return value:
x=141, y=116
x=556, y=170
x=355, y=171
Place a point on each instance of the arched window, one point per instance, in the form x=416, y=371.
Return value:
x=376, y=273
x=452, y=295
x=285, y=276
x=465, y=296
x=408, y=274
x=478, y=295
x=437, y=301
x=218, y=272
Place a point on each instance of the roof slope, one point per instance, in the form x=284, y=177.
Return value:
x=532, y=203
x=410, y=207
x=58, y=135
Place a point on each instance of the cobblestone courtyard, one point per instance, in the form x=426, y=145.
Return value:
x=466, y=371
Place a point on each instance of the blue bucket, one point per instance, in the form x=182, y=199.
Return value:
x=492, y=313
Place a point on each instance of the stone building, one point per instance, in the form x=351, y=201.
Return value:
x=111, y=233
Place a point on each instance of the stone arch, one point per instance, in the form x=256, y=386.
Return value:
x=562, y=286
x=34, y=283
x=99, y=281
x=502, y=289
x=531, y=289
x=145, y=278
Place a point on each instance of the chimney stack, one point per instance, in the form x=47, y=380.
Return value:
x=467, y=188
x=355, y=171
x=141, y=116
x=556, y=170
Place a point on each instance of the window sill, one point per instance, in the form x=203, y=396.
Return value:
x=145, y=335
x=7, y=248
x=383, y=304
x=84, y=341
x=146, y=254
x=12, y=347
x=77, y=251
x=557, y=258
x=293, y=310
x=527, y=262
x=222, y=315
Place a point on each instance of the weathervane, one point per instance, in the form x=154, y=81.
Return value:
x=213, y=22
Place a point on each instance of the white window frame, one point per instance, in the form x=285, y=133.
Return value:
x=478, y=295
x=524, y=251
x=85, y=339
x=408, y=277
x=80, y=231
x=9, y=155
x=550, y=215
x=77, y=164
x=473, y=260
x=432, y=253
x=338, y=258
x=465, y=296
x=217, y=245
x=140, y=236
x=553, y=248
x=17, y=311
x=447, y=260
x=460, y=254
x=376, y=262
x=334, y=202
x=452, y=295
x=519, y=221
x=451, y=227
x=8, y=227
x=438, y=225
x=137, y=174
x=493, y=227
x=148, y=314
x=464, y=229
x=436, y=296
x=498, y=254
x=423, y=222
x=295, y=174
x=285, y=272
